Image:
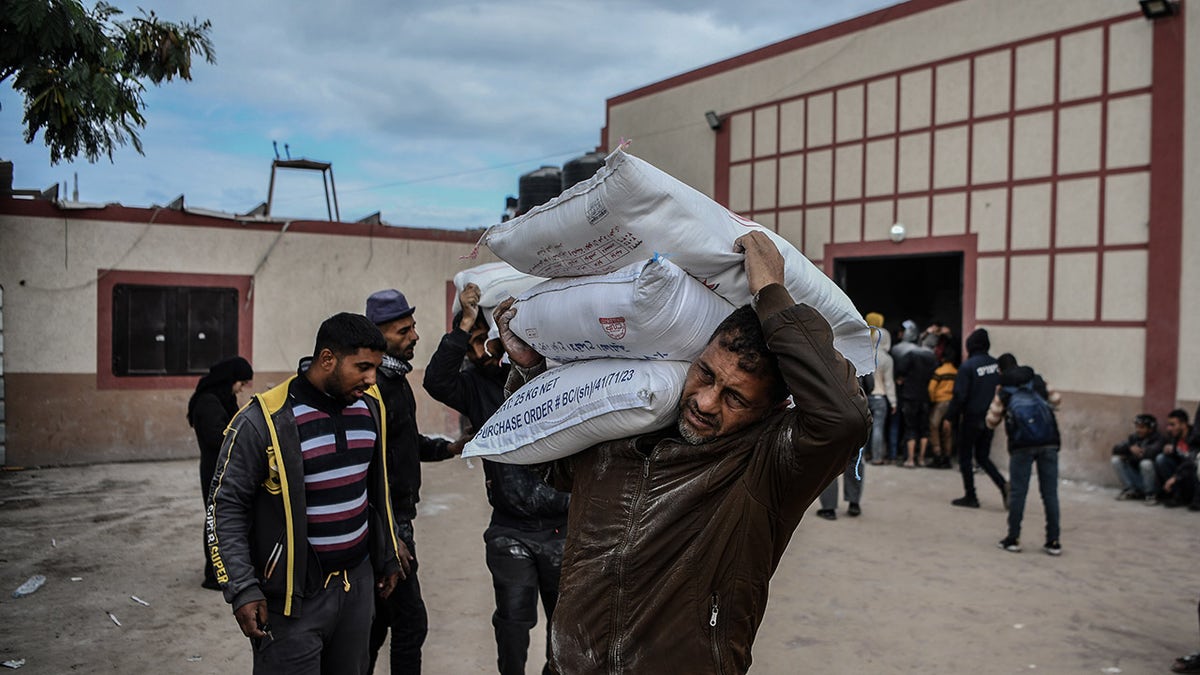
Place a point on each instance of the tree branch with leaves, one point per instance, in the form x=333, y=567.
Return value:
x=82, y=72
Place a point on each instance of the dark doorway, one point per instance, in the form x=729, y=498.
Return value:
x=924, y=288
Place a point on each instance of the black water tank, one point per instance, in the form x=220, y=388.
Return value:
x=581, y=169
x=538, y=187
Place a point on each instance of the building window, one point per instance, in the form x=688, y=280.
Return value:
x=172, y=330
x=161, y=330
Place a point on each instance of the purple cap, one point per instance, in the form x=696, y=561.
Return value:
x=389, y=305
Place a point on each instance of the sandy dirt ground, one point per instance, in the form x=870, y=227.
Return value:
x=912, y=586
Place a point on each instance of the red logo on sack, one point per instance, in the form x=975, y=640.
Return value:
x=615, y=326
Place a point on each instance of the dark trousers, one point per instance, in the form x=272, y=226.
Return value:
x=975, y=442
x=1020, y=467
x=524, y=566
x=404, y=612
x=330, y=635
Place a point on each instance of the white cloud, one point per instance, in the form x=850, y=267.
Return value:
x=394, y=93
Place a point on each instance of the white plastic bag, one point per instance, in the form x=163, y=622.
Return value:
x=648, y=310
x=580, y=404
x=630, y=210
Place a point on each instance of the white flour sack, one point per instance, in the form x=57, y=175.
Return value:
x=630, y=210
x=575, y=406
x=496, y=281
x=648, y=310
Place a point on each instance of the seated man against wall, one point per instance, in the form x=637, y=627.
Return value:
x=1133, y=459
x=1176, y=464
x=673, y=536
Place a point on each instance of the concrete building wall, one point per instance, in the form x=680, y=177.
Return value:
x=1189, y=280
x=1034, y=142
x=64, y=406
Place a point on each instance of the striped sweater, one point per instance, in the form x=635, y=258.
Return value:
x=337, y=443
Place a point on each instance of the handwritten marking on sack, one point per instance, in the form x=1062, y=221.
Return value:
x=614, y=326
x=596, y=256
x=502, y=424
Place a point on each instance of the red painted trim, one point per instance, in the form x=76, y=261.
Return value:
x=896, y=155
x=1165, y=262
x=163, y=216
x=753, y=158
x=1055, y=124
x=1041, y=180
x=966, y=244
x=855, y=25
x=1024, y=112
x=1100, y=23
x=1008, y=201
x=1101, y=188
x=1063, y=250
x=721, y=154
x=932, y=151
x=1072, y=323
x=862, y=189
x=106, y=279
x=778, y=148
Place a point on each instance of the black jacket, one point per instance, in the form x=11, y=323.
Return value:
x=517, y=494
x=407, y=446
x=974, y=387
x=1151, y=446
x=914, y=366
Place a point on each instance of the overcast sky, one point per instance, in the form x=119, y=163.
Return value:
x=428, y=110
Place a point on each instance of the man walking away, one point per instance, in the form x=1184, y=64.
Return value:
x=1027, y=405
x=974, y=387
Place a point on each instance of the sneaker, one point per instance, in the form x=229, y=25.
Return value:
x=1130, y=495
x=1152, y=500
x=827, y=514
x=854, y=509
x=969, y=502
x=1187, y=664
x=1053, y=547
x=1009, y=544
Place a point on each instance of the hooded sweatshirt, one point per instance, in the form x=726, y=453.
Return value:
x=885, y=382
x=914, y=365
x=975, y=384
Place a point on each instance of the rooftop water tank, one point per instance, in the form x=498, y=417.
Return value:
x=538, y=187
x=581, y=168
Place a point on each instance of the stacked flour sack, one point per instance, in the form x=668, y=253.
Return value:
x=641, y=270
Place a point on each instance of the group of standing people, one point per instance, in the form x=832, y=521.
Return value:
x=936, y=406
x=667, y=568
x=340, y=442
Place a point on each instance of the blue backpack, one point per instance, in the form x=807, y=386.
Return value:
x=1028, y=418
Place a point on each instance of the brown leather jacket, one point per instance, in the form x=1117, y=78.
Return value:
x=671, y=547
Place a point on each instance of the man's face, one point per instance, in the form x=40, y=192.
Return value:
x=484, y=353
x=348, y=377
x=719, y=398
x=401, y=336
x=1175, y=428
x=1142, y=430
